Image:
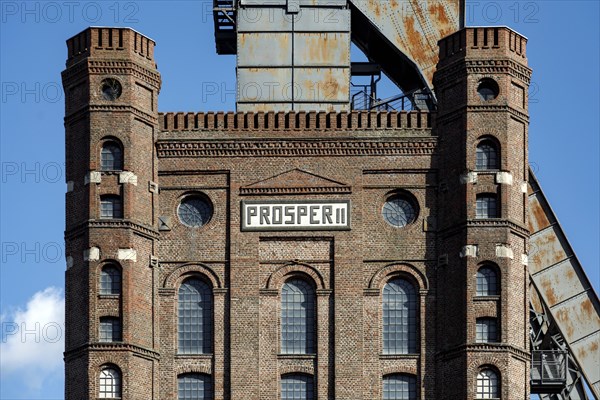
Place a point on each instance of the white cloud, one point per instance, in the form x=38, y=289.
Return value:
x=33, y=339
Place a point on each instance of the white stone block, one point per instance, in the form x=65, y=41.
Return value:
x=470, y=250
x=92, y=177
x=504, y=178
x=503, y=251
x=69, y=262
x=127, y=254
x=91, y=254
x=524, y=259
x=469, y=177
x=70, y=186
x=128, y=177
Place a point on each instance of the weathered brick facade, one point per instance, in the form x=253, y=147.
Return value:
x=361, y=157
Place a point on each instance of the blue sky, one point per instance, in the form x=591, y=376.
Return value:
x=563, y=51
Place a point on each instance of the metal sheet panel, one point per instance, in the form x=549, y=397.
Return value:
x=317, y=3
x=415, y=27
x=322, y=20
x=322, y=85
x=547, y=248
x=558, y=283
x=322, y=49
x=322, y=107
x=257, y=19
x=564, y=287
x=260, y=85
x=575, y=317
x=264, y=49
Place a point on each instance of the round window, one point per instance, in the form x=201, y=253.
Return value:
x=195, y=211
x=488, y=89
x=111, y=89
x=399, y=211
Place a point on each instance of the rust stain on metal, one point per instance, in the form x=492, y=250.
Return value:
x=537, y=218
x=566, y=321
x=545, y=250
x=548, y=291
x=415, y=41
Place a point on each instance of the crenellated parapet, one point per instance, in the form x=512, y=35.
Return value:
x=292, y=120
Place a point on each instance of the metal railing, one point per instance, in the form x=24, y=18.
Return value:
x=363, y=99
x=548, y=367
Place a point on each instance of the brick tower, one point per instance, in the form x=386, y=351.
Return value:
x=111, y=86
x=481, y=82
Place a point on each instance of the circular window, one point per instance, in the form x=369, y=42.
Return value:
x=399, y=211
x=195, y=211
x=488, y=89
x=111, y=89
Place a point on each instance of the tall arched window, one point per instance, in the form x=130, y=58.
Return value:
x=194, y=387
x=487, y=384
x=111, y=156
x=110, y=280
x=297, y=317
x=195, y=325
x=110, y=383
x=297, y=387
x=487, y=155
x=399, y=317
x=487, y=281
x=399, y=387
x=487, y=206
x=111, y=206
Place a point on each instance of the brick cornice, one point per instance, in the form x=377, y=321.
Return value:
x=459, y=112
x=294, y=148
x=515, y=227
x=111, y=347
x=111, y=67
x=484, y=348
x=112, y=224
x=462, y=68
x=86, y=109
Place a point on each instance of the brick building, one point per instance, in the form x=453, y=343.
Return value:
x=300, y=254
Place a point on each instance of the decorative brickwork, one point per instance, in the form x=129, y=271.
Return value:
x=359, y=158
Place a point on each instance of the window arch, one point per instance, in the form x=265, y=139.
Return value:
x=487, y=206
x=399, y=317
x=110, y=329
x=194, y=316
x=488, y=386
x=487, y=155
x=110, y=280
x=486, y=330
x=487, y=281
x=297, y=387
x=298, y=309
x=194, y=386
x=399, y=387
x=111, y=206
x=111, y=156
x=110, y=382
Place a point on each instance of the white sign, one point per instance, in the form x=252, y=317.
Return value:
x=295, y=215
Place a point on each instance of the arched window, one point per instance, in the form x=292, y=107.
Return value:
x=297, y=387
x=110, y=383
x=399, y=317
x=487, y=384
x=487, y=206
x=194, y=387
x=110, y=329
x=487, y=155
x=110, y=280
x=487, y=281
x=195, y=324
x=486, y=330
x=297, y=317
x=111, y=207
x=399, y=387
x=111, y=156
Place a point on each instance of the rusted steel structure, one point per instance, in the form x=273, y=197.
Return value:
x=562, y=294
x=295, y=54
